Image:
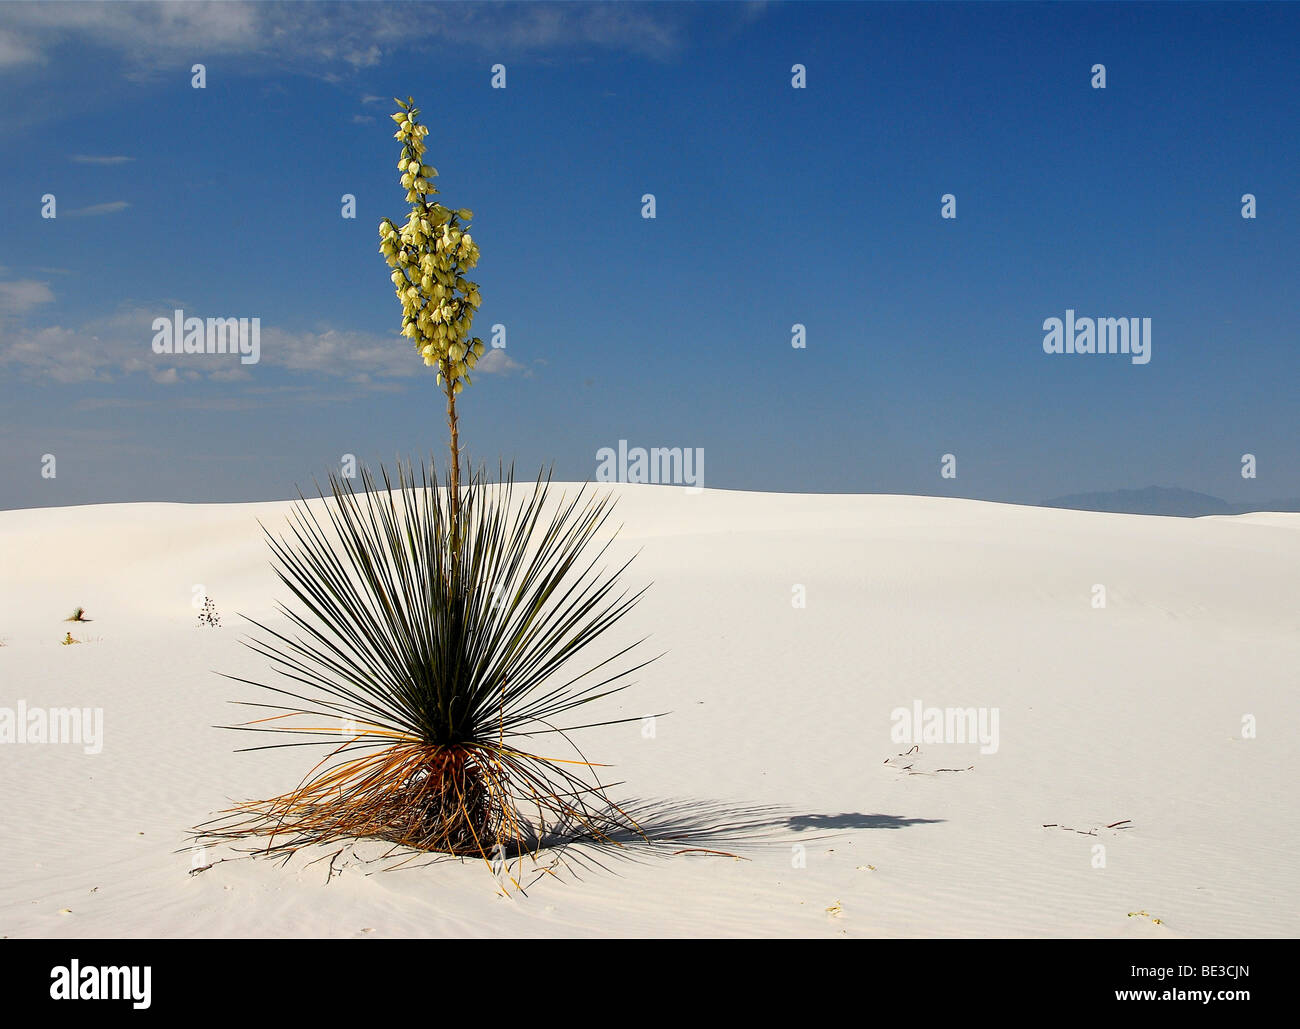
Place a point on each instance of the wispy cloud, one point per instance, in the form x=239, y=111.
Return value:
x=327, y=38
x=14, y=52
x=49, y=353
x=119, y=345
x=90, y=159
x=495, y=361
x=248, y=398
x=21, y=296
x=361, y=357
x=112, y=207
x=364, y=358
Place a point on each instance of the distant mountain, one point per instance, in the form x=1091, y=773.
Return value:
x=1163, y=500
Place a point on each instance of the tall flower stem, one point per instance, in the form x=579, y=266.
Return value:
x=453, y=425
x=429, y=256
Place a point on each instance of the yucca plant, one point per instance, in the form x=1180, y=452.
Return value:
x=425, y=676
x=443, y=630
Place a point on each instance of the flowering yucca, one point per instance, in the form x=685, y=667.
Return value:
x=440, y=632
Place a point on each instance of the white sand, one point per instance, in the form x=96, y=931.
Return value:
x=1134, y=711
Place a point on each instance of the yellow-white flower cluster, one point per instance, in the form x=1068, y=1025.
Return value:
x=429, y=255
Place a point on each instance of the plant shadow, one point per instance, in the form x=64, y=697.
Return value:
x=663, y=828
x=671, y=827
x=855, y=820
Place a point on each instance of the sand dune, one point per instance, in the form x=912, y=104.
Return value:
x=778, y=737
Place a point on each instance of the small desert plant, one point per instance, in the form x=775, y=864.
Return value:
x=67, y=640
x=209, y=617
x=78, y=615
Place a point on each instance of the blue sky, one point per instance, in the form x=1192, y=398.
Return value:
x=775, y=206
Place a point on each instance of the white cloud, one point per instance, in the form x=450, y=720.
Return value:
x=495, y=361
x=89, y=159
x=15, y=52
x=21, y=296
x=120, y=344
x=153, y=37
x=363, y=58
x=99, y=351
x=96, y=209
x=361, y=357
x=51, y=353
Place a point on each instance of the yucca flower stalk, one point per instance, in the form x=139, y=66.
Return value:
x=429, y=255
